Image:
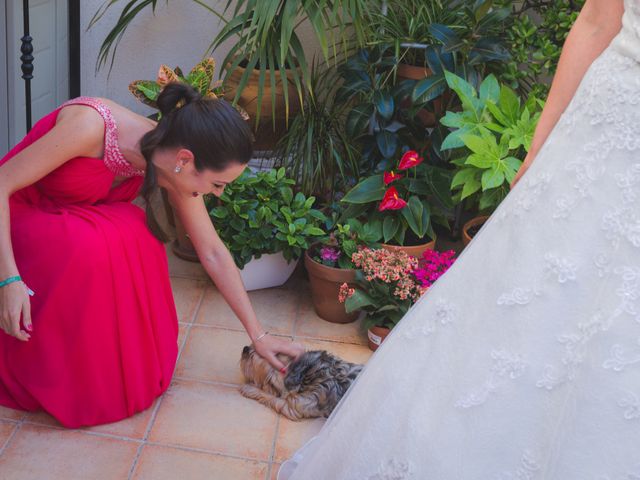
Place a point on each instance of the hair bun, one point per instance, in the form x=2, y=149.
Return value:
x=174, y=95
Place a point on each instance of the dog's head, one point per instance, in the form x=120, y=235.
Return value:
x=259, y=371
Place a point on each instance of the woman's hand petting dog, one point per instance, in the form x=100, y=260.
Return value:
x=312, y=387
x=269, y=347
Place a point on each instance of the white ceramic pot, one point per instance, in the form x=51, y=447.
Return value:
x=270, y=270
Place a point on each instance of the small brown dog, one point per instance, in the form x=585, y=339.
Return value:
x=312, y=387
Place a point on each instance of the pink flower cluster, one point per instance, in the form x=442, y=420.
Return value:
x=387, y=267
x=432, y=265
x=345, y=292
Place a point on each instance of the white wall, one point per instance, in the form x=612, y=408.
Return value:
x=178, y=34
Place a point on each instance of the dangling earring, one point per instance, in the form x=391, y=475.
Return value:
x=178, y=169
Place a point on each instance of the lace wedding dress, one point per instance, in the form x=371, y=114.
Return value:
x=523, y=360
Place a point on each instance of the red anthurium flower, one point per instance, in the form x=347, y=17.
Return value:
x=390, y=177
x=410, y=159
x=391, y=201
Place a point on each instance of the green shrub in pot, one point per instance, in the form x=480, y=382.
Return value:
x=259, y=214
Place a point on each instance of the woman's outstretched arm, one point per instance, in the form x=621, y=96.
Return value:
x=219, y=264
x=598, y=22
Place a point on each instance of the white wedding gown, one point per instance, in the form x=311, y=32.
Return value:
x=523, y=360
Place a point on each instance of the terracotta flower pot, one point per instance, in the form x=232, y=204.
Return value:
x=474, y=222
x=266, y=134
x=325, y=285
x=376, y=335
x=415, y=250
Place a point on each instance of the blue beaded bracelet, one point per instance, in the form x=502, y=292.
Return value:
x=10, y=280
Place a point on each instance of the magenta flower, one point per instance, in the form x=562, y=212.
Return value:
x=432, y=265
x=330, y=255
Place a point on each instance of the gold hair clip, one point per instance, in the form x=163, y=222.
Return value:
x=181, y=103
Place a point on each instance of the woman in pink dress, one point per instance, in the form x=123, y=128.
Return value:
x=98, y=340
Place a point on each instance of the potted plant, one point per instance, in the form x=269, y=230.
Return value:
x=490, y=137
x=200, y=77
x=388, y=283
x=329, y=265
x=267, y=43
x=316, y=150
x=401, y=200
x=385, y=289
x=536, y=33
x=265, y=226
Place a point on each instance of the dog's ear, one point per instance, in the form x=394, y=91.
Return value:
x=300, y=368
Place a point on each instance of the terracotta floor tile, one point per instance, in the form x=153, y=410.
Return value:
x=346, y=351
x=43, y=453
x=11, y=414
x=6, y=428
x=212, y=354
x=215, y=418
x=293, y=435
x=276, y=309
x=311, y=325
x=42, y=418
x=165, y=463
x=274, y=471
x=186, y=293
x=182, y=334
x=182, y=268
x=133, y=427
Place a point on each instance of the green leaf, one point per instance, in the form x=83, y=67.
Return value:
x=492, y=179
x=371, y=189
x=357, y=301
x=390, y=227
x=384, y=104
x=509, y=104
x=387, y=143
x=413, y=214
x=428, y=89
x=471, y=187
x=463, y=176
x=490, y=89
x=358, y=119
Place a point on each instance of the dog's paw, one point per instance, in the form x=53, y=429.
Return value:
x=250, y=391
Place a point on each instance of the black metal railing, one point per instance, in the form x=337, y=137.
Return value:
x=27, y=61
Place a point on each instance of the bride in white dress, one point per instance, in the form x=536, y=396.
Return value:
x=523, y=360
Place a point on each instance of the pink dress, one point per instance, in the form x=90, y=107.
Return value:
x=104, y=341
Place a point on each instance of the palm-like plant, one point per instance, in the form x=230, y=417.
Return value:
x=316, y=150
x=267, y=38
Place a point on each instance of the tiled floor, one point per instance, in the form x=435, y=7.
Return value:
x=202, y=428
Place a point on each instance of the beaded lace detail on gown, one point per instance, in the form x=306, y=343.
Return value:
x=113, y=157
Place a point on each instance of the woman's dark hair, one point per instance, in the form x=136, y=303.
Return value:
x=211, y=129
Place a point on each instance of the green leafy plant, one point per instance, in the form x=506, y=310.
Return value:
x=377, y=120
x=535, y=36
x=259, y=214
x=335, y=250
x=472, y=45
x=407, y=22
x=491, y=136
x=200, y=78
x=402, y=200
x=266, y=36
x=316, y=150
